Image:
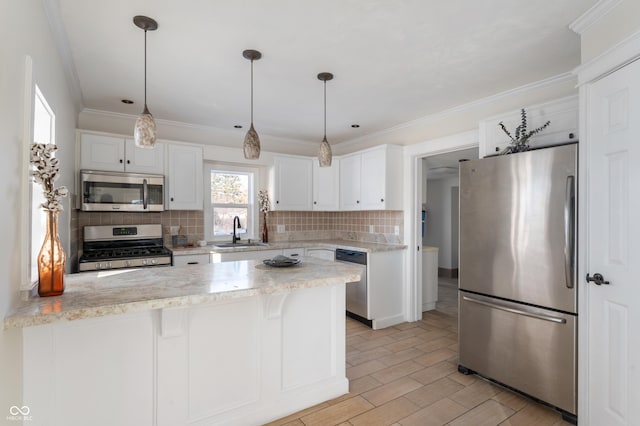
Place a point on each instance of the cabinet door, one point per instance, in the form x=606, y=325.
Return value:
x=98, y=152
x=373, y=180
x=245, y=255
x=293, y=186
x=144, y=160
x=350, y=183
x=190, y=259
x=184, y=178
x=326, y=186
x=293, y=252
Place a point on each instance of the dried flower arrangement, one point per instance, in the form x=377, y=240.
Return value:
x=45, y=171
x=265, y=205
x=521, y=136
x=263, y=199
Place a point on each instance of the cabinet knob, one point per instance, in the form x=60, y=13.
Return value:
x=128, y=161
x=382, y=200
x=497, y=149
x=171, y=198
x=315, y=202
x=121, y=161
x=277, y=202
x=357, y=201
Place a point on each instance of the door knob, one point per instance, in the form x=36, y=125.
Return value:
x=597, y=279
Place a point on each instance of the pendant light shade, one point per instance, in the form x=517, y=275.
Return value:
x=324, y=153
x=144, y=132
x=252, y=140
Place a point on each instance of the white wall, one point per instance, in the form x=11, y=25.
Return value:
x=24, y=30
x=441, y=226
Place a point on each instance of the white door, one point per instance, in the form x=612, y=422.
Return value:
x=613, y=249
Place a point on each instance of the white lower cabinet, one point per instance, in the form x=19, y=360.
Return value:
x=385, y=289
x=190, y=259
x=293, y=252
x=243, y=361
x=244, y=255
x=320, y=253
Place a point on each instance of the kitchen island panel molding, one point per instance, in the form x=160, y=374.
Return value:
x=234, y=360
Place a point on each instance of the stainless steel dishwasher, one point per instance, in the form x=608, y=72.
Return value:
x=357, y=292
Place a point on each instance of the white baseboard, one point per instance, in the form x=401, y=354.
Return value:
x=388, y=321
x=430, y=306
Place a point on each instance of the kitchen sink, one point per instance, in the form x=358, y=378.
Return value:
x=240, y=245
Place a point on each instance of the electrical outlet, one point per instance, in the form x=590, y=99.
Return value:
x=280, y=229
x=396, y=230
x=372, y=229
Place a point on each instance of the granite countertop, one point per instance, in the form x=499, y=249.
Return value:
x=329, y=244
x=96, y=294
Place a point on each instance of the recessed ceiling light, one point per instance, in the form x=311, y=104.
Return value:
x=127, y=101
x=355, y=126
x=238, y=126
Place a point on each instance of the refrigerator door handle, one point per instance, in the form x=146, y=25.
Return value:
x=516, y=311
x=569, y=222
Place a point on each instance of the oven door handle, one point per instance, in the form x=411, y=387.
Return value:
x=145, y=194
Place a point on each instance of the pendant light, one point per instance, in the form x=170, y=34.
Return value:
x=252, y=140
x=144, y=132
x=324, y=153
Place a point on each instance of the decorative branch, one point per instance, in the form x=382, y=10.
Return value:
x=46, y=170
x=519, y=141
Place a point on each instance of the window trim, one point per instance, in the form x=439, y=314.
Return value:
x=252, y=213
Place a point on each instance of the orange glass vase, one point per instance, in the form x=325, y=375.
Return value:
x=51, y=260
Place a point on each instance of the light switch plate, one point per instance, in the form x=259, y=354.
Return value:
x=372, y=229
x=280, y=229
x=396, y=230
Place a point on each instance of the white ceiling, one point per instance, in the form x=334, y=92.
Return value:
x=394, y=60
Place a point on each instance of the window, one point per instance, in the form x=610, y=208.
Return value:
x=43, y=132
x=229, y=192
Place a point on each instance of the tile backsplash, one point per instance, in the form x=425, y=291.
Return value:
x=191, y=222
x=369, y=226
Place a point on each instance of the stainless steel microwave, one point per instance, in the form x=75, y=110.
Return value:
x=126, y=192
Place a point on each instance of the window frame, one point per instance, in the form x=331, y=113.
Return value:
x=252, y=206
x=37, y=231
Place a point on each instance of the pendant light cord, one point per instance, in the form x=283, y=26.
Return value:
x=252, y=91
x=145, y=68
x=325, y=109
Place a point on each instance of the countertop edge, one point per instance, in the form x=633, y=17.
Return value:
x=23, y=321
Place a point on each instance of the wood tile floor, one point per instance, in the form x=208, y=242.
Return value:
x=407, y=375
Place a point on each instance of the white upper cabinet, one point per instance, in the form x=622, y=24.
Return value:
x=372, y=179
x=292, y=183
x=116, y=154
x=350, y=182
x=184, y=178
x=326, y=186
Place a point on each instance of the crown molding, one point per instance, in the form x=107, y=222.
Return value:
x=180, y=124
x=541, y=84
x=52, y=10
x=593, y=15
x=619, y=55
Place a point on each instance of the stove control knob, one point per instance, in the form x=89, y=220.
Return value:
x=144, y=261
x=97, y=265
x=127, y=263
x=109, y=265
x=154, y=261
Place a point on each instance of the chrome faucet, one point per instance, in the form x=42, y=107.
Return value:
x=235, y=237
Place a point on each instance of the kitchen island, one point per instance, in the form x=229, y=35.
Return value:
x=227, y=343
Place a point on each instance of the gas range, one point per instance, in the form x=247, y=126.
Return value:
x=123, y=246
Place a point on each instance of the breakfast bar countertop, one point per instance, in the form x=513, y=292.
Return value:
x=103, y=293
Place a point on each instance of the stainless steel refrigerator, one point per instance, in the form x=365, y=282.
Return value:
x=517, y=298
